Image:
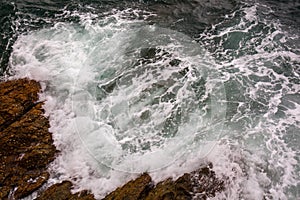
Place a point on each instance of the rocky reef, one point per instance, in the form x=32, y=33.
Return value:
x=26, y=146
x=200, y=184
x=26, y=149
x=62, y=191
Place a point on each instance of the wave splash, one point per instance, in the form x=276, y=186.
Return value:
x=123, y=97
x=126, y=97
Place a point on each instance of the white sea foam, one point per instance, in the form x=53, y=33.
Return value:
x=114, y=105
x=260, y=75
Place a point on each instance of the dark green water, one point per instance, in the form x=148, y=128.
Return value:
x=164, y=86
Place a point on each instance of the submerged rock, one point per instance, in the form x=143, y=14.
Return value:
x=26, y=146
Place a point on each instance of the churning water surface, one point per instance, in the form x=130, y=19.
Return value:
x=128, y=90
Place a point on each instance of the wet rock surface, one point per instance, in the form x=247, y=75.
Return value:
x=26, y=146
x=135, y=189
x=200, y=184
x=62, y=191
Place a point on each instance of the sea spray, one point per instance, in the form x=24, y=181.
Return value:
x=125, y=96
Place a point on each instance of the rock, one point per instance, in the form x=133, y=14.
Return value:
x=200, y=184
x=133, y=190
x=26, y=146
x=62, y=191
x=17, y=97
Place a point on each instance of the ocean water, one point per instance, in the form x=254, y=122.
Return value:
x=164, y=87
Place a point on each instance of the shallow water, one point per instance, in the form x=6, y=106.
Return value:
x=130, y=87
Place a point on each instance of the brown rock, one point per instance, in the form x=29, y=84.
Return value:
x=27, y=189
x=62, y=191
x=25, y=144
x=16, y=98
x=133, y=190
x=200, y=184
x=169, y=189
